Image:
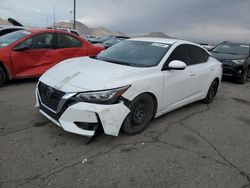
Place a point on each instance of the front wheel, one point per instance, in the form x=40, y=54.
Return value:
x=2, y=76
x=141, y=113
x=243, y=79
x=211, y=92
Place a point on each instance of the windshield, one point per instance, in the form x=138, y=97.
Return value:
x=239, y=49
x=12, y=37
x=135, y=53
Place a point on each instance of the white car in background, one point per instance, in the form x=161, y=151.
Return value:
x=127, y=85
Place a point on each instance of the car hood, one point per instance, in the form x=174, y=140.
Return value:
x=87, y=74
x=224, y=56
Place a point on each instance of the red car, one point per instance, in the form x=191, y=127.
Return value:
x=29, y=53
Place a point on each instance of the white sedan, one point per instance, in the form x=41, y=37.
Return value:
x=128, y=85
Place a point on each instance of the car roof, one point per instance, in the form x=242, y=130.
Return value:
x=159, y=40
x=34, y=30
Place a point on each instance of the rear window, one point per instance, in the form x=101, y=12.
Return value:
x=67, y=41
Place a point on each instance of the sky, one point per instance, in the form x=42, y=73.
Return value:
x=196, y=20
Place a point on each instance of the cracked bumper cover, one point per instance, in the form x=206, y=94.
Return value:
x=110, y=117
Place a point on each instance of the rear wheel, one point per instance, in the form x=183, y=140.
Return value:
x=211, y=92
x=141, y=113
x=2, y=76
x=248, y=72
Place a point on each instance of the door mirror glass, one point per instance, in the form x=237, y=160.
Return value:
x=177, y=65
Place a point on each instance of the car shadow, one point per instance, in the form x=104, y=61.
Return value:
x=231, y=79
x=20, y=81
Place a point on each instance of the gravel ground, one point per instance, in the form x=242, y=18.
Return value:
x=196, y=146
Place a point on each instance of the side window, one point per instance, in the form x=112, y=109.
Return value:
x=41, y=41
x=180, y=53
x=67, y=41
x=198, y=55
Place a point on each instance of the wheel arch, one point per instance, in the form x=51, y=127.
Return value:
x=217, y=80
x=154, y=99
x=5, y=70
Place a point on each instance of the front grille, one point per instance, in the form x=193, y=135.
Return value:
x=48, y=112
x=50, y=97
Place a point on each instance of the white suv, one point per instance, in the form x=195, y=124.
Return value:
x=127, y=85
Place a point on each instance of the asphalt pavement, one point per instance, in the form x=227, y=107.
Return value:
x=196, y=146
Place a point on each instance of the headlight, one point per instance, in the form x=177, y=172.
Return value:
x=238, y=61
x=102, y=97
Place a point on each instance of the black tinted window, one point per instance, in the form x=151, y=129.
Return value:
x=41, y=41
x=198, y=55
x=180, y=53
x=67, y=41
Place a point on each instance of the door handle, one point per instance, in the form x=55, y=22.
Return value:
x=212, y=68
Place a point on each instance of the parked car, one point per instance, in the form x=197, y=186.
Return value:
x=127, y=85
x=105, y=38
x=69, y=30
x=9, y=29
x=89, y=37
x=112, y=42
x=235, y=58
x=29, y=53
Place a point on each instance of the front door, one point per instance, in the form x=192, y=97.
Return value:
x=36, y=57
x=179, y=85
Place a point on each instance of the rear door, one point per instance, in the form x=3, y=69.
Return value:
x=203, y=70
x=69, y=47
x=38, y=56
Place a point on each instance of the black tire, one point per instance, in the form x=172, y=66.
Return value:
x=2, y=76
x=142, y=111
x=243, y=79
x=248, y=72
x=211, y=92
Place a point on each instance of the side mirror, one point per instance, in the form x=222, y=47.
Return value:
x=176, y=65
x=20, y=48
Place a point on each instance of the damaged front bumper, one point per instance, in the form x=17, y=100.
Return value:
x=83, y=118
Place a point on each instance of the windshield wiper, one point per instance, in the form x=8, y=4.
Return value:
x=118, y=62
x=225, y=53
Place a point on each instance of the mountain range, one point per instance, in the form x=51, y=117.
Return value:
x=98, y=31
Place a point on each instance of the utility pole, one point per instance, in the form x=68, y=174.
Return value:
x=74, y=23
x=54, y=12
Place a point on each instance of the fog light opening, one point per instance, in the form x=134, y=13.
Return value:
x=86, y=126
